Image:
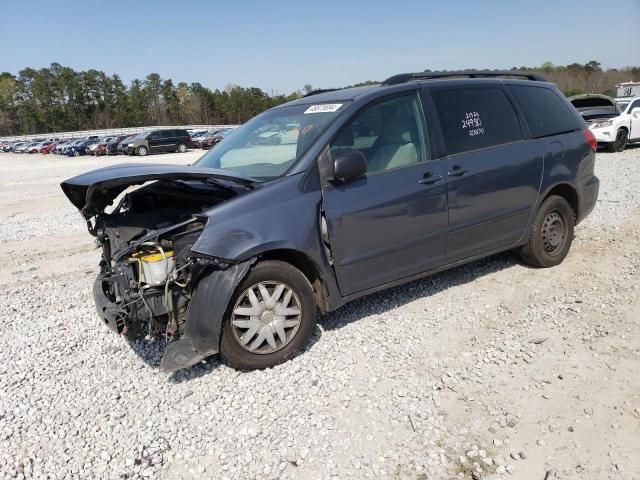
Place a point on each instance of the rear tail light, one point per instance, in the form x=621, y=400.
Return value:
x=189, y=139
x=591, y=138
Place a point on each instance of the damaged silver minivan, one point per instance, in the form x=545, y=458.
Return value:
x=329, y=198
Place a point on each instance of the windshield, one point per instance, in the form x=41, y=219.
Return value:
x=267, y=145
x=138, y=136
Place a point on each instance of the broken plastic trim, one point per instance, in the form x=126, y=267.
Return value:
x=205, y=315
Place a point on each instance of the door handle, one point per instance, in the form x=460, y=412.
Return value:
x=457, y=171
x=429, y=178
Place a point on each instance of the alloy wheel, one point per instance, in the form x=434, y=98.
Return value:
x=621, y=140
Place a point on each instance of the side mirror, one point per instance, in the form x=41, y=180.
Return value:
x=636, y=112
x=349, y=165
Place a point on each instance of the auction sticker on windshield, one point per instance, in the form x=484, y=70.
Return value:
x=323, y=108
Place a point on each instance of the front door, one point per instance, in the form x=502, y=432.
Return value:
x=634, y=132
x=155, y=141
x=392, y=222
x=493, y=175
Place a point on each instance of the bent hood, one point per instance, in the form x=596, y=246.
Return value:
x=91, y=192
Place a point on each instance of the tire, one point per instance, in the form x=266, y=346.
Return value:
x=182, y=148
x=620, y=143
x=550, y=235
x=141, y=151
x=269, y=274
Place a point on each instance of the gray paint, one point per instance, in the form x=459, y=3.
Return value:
x=384, y=229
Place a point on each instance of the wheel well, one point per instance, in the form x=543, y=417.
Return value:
x=623, y=128
x=308, y=268
x=569, y=194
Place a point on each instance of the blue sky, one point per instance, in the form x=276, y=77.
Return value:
x=282, y=45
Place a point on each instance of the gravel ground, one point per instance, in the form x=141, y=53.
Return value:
x=492, y=370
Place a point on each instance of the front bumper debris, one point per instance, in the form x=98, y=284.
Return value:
x=109, y=312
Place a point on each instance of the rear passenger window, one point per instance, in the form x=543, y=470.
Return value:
x=475, y=118
x=545, y=112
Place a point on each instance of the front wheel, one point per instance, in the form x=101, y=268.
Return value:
x=141, y=151
x=270, y=317
x=550, y=234
x=620, y=143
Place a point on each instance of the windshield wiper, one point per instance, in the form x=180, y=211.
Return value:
x=219, y=183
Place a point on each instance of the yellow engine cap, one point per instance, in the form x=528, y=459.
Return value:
x=155, y=257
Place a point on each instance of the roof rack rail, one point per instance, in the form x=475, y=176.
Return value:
x=405, y=77
x=319, y=91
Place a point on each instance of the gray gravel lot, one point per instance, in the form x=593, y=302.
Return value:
x=493, y=369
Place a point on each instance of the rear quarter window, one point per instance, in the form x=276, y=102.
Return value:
x=545, y=111
x=475, y=118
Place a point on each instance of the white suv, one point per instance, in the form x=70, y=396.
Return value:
x=615, y=124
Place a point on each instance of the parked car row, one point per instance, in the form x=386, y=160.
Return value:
x=207, y=139
x=69, y=146
x=141, y=144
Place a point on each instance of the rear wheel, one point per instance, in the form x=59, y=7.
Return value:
x=141, y=151
x=270, y=317
x=620, y=143
x=182, y=148
x=551, y=233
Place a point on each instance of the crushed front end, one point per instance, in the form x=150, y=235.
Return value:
x=145, y=290
x=148, y=275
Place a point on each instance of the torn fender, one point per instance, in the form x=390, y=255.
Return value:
x=205, y=315
x=280, y=215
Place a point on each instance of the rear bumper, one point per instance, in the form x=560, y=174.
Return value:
x=588, y=197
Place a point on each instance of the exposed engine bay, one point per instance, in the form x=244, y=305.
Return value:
x=148, y=273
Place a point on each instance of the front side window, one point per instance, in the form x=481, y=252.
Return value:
x=269, y=144
x=390, y=134
x=474, y=118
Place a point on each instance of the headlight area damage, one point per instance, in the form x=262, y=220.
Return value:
x=149, y=280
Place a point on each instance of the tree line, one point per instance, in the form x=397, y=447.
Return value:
x=576, y=78
x=58, y=98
